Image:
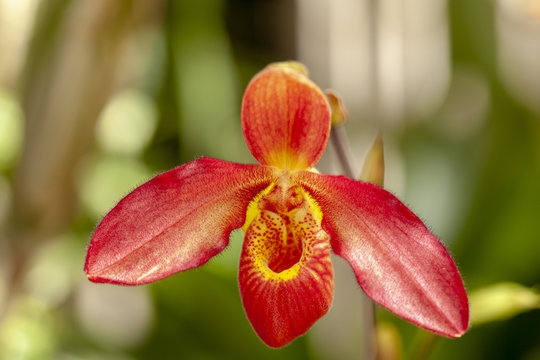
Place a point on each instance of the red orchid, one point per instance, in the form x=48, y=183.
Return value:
x=291, y=215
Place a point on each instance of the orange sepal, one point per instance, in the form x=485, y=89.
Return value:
x=285, y=118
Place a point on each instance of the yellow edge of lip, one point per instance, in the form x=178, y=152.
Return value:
x=285, y=275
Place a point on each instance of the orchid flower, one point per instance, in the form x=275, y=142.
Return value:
x=292, y=217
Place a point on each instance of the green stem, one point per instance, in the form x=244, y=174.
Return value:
x=339, y=141
x=424, y=345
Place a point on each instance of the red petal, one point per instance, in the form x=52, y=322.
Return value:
x=285, y=118
x=174, y=222
x=286, y=276
x=398, y=262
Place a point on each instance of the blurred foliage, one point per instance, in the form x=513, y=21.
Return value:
x=110, y=93
x=11, y=132
x=501, y=301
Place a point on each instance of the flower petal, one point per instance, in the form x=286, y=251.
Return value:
x=398, y=262
x=286, y=275
x=176, y=221
x=285, y=118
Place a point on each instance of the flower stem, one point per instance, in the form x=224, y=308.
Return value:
x=423, y=345
x=340, y=143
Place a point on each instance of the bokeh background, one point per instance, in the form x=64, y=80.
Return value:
x=98, y=96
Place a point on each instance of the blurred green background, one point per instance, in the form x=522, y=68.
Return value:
x=98, y=96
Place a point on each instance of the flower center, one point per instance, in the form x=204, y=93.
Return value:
x=282, y=218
